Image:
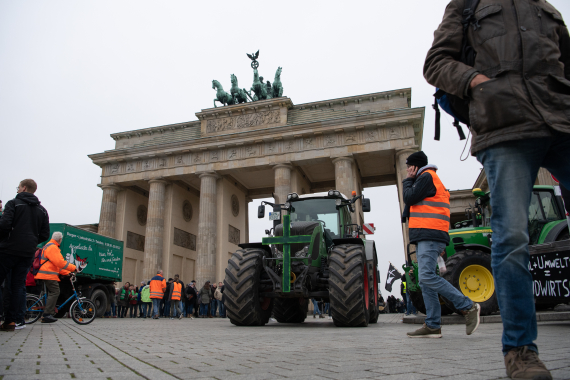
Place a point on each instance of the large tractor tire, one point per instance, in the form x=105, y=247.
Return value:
x=348, y=286
x=470, y=271
x=243, y=304
x=418, y=302
x=99, y=298
x=373, y=287
x=290, y=310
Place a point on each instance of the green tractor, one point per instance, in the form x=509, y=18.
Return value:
x=468, y=256
x=314, y=250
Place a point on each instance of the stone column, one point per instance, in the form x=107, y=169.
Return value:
x=282, y=182
x=108, y=216
x=401, y=174
x=154, y=235
x=207, y=227
x=344, y=179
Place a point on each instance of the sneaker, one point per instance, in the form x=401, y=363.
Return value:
x=522, y=363
x=472, y=318
x=47, y=318
x=180, y=316
x=425, y=332
x=321, y=316
x=20, y=326
x=314, y=316
x=8, y=326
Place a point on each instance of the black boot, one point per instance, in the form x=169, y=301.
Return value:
x=48, y=318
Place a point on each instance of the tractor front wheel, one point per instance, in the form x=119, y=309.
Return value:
x=470, y=272
x=348, y=286
x=242, y=299
x=290, y=310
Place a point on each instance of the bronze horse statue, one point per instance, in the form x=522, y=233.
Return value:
x=277, y=86
x=240, y=95
x=222, y=96
x=258, y=88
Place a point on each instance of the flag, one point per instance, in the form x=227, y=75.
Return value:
x=392, y=276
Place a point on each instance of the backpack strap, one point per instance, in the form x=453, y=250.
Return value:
x=437, y=118
x=467, y=51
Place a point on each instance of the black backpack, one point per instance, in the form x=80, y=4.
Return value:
x=453, y=105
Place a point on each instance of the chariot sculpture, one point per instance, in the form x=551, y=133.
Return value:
x=260, y=90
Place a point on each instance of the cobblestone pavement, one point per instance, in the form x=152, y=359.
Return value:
x=215, y=349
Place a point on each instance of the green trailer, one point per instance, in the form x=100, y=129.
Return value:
x=103, y=257
x=468, y=256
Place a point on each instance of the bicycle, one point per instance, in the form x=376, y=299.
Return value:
x=82, y=310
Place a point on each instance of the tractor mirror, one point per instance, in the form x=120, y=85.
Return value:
x=366, y=204
x=261, y=212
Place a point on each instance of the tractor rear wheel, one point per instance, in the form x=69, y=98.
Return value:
x=373, y=287
x=418, y=302
x=243, y=303
x=291, y=310
x=348, y=286
x=470, y=272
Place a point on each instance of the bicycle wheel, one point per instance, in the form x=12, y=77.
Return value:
x=83, y=311
x=34, y=309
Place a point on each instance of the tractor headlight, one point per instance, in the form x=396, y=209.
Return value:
x=337, y=193
x=287, y=205
x=289, y=197
x=331, y=193
x=338, y=202
x=303, y=252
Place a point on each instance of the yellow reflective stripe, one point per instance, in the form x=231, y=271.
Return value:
x=472, y=232
x=65, y=267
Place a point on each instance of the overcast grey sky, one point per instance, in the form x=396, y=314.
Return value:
x=73, y=72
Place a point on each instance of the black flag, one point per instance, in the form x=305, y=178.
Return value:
x=392, y=276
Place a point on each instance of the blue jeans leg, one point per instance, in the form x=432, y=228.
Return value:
x=432, y=284
x=411, y=308
x=214, y=304
x=114, y=309
x=511, y=169
x=155, y=307
x=316, y=307
x=17, y=267
x=166, y=309
x=203, y=309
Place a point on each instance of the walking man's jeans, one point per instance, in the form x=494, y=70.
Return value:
x=155, y=307
x=432, y=284
x=18, y=267
x=316, y=307
x=511, y=169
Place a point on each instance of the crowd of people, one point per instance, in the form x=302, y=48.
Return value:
x=174, y=300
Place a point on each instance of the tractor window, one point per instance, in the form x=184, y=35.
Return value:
x=317, y=209
x=549, y=206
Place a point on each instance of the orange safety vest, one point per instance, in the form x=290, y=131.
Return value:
x=53, y=263
x=176, y=291
x=157, y=286
x=433, y=212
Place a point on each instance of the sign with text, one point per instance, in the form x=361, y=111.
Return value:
x=550, y=268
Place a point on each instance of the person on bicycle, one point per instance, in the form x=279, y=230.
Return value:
x=52, y=265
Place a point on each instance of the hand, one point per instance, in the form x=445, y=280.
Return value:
x=479, y=78
x=412, y=171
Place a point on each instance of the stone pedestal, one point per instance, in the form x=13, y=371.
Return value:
x=344, y=179
x=108, y=217
x=282, y=182
x=154, y=234
x=206, y=246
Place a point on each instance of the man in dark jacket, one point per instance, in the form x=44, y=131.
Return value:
x=519, y=110
x=428, y=213
x=23, y=225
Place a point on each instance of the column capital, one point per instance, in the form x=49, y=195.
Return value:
x=158, y=180
x=409, y=150
x=112, y=186
x=286, y=165
x=208, y=174
x=343, y=158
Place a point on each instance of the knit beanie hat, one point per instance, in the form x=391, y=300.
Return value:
x=418, y=159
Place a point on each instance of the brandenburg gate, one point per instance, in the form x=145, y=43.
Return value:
x=178, y=194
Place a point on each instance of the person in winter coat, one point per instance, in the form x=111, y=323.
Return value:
x=166, y=298
x=133, y=300
x=519, y=96
x=52, y=264
x=205, y=296
x=191, y=296
x=23, y=225
x=139, y=301
x=428, y=212
x=124, y=300
x=146, y=301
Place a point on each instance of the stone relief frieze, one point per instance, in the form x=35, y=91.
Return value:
x=197, y=158
x=187, y=211
x=250, y=150
x=309, y=142
x=162, y=162
x=179, y=160
x=135, y=241
x=130, y=167
x=233, y=235
x=243, y=121
x=394, y=133
x=350, y=138
x=147, y=164
x=330, y=140
x=184, y=239
x=235, y=205
x=288, y=146
x=370, y=136
x=232, y=153
x=271, y=148
x=214, y=155
x=114, y=169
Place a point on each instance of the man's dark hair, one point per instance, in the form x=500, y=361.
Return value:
x=30, y=184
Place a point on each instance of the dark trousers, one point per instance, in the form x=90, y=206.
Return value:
x=52, y=287
x=17, y=267
x=133, y=310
